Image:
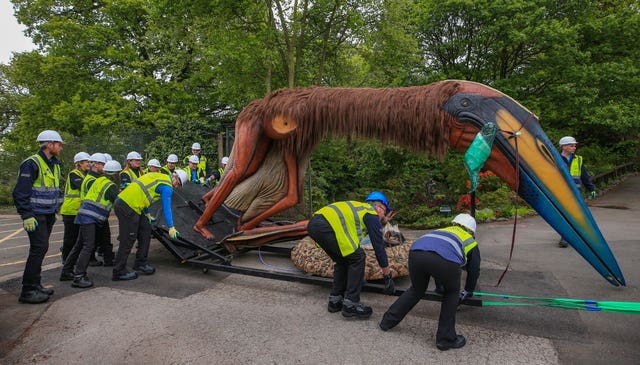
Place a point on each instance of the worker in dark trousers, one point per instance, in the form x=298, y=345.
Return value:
x=37, y=197
x=439, y=253
x=472, y=267
x=93, y=219
x=71, y=203
x=338, y=229
x=98, y=161
x=132, y=209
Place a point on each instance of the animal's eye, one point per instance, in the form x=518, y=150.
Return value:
x=465, y=102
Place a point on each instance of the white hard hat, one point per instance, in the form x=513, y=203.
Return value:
x=182, y=176
x=107, y=157
x=196, y=146
x=194, y=159
x=172, y=158
x=465, y=220
x=112, y=166
x=567, y=140
x=153, y=162
x=97, y=157
x=49, y=136
x=133, y=155
x=81, y=156
x=225, y=160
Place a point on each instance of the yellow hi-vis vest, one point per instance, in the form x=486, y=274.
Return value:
x=84, y=188
x=166, y=170
x=141, y=193
x=467, y=242
x=347, y=220
x=132, y=175
x=576, y=169
x=202, y=163
x=46, y=196
x=72, y=200
x=200, y=173
x=220, y=171
x=95, y=204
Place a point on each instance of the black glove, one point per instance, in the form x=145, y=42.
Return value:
x=389, y=285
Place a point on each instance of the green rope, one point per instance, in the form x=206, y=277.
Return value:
x=563, y=303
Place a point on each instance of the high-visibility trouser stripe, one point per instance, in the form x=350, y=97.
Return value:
x=451, y=241
x=71, y=195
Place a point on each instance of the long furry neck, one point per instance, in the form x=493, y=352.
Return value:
x=411, y=117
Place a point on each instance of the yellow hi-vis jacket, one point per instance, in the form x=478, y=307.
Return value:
x=71, y=202
x=141, y=193
x=84, y=188
x=46, y=196
x=201, y=174
x=132, y=175
x=575, y=170
x=202, y=163
x=95, y=204
x=347, y=220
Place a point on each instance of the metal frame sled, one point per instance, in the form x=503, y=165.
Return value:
x=191, y=248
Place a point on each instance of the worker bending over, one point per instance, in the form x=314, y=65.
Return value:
x=338, y=229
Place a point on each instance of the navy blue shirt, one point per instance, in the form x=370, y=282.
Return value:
x=24, y=185
x=374, y=229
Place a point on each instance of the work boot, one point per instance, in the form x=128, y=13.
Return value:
x=66, y=276
x=129, y=275
x=357, y=310
x=335, y=303
x=81, y=281
x=145, y=269
x=563, y=243
x=44, y=290
x=33, y=296
x=455, y=344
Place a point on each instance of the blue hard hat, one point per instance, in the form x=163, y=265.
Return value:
x=376, y=195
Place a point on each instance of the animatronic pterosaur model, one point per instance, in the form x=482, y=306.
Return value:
x=275, y=136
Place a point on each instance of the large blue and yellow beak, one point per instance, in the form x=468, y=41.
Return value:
x=525, y=158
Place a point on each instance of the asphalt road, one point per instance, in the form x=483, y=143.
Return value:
x=14, y=245
x=182, y=316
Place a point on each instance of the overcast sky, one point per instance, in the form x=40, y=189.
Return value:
x=12, y=39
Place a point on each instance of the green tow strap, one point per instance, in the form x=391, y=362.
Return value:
x=563, y=303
